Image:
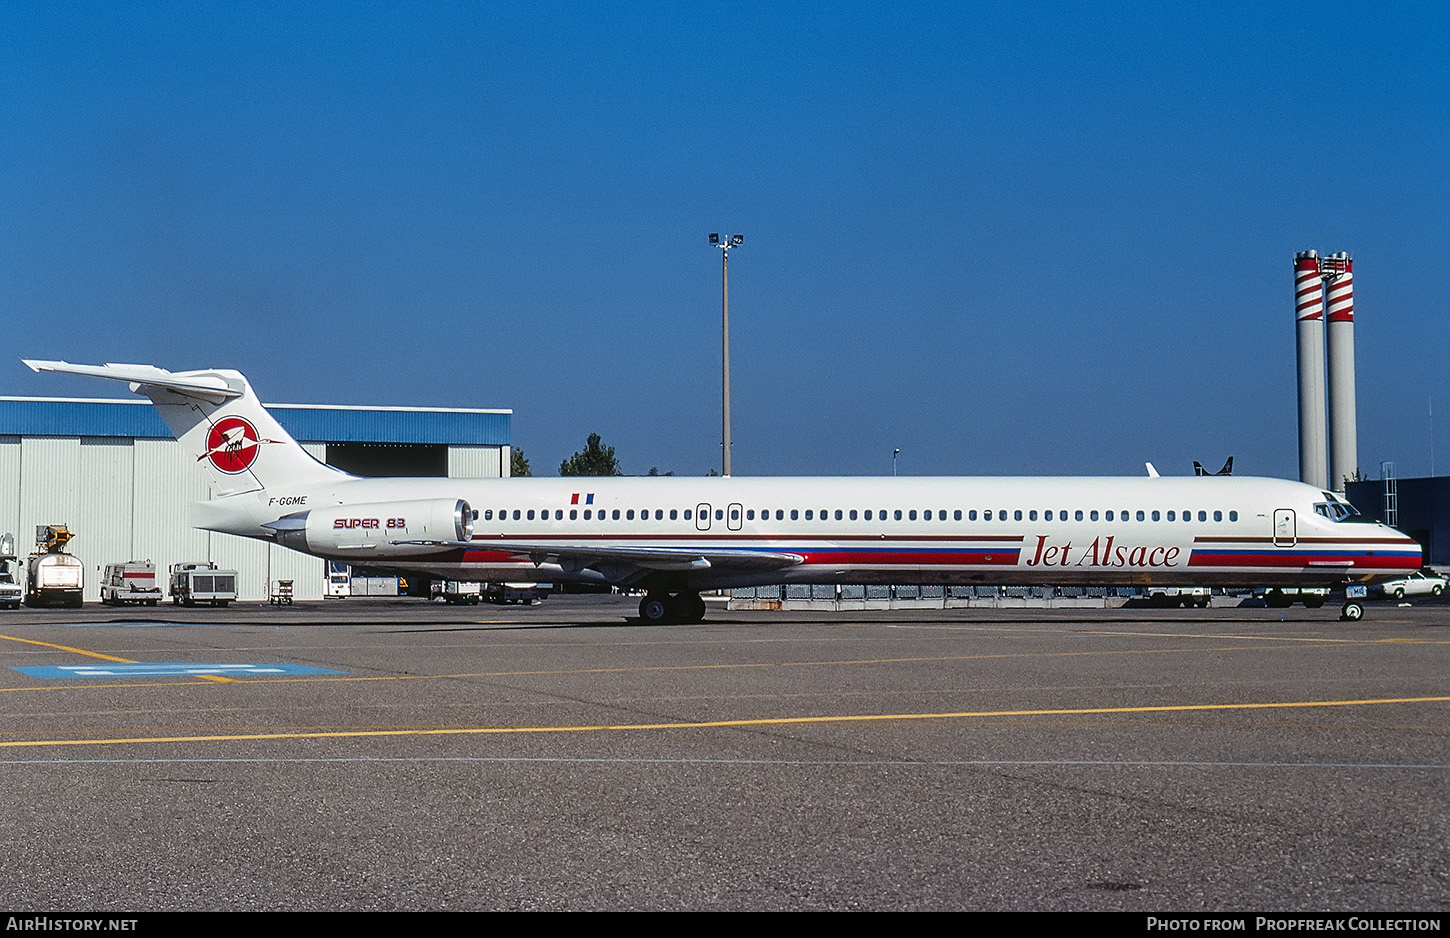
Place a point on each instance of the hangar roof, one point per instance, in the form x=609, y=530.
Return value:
x=308, y=423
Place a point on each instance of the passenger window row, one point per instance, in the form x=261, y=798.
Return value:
x=838, y=514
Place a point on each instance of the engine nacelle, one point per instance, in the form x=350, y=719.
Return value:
x=369, y=530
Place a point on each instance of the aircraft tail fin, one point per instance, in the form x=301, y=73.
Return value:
x=218, y=419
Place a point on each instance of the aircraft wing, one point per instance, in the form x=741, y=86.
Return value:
x=583, y=556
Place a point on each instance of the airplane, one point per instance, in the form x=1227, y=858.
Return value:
x=674, y=537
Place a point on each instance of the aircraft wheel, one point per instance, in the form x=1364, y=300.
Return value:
x=693, y=608
x=1313, y=603
x=654, y=609
x=1353, y=611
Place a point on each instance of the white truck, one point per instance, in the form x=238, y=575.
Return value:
x=201, y=582
x=458, y=592
x=11, y=592
x=130, y=582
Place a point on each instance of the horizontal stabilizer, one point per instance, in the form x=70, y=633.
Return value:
x=203, y=384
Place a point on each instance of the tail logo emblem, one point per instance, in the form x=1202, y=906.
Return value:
x=232, y=445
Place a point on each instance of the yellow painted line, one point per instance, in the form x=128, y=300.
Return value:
x=720, y=724
x=1186, y=635
x=76, y=651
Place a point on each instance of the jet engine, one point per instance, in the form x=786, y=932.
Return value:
x=369, y=530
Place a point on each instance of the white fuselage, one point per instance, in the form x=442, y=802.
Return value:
x=1062, y=531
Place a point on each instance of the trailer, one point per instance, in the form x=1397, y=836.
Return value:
x=131, y=582
x=202, y=582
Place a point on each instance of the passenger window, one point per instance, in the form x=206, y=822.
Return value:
x=674, y=514
x=719, y=514
x=1017, y=515
x=750, y=514
x=1218, y=516
x=1203, y=516
x=1077, y=514
x=1032, y=515
x=853, y=514
x=573, y=514
x=1109, y=517
x=1233, y=516
x=1093, y=516
x=1155, y=516
x=839, y=515
x=1047, y=515
x=1140, y=514
x=868, y=514
x=987, y=515
x=1170, y=516
x=531, y=514
x=615, y=514
x=488, y=514
x=629, y=515
x=957, y=515
x=794, y=514
x=779, y=514
x=810, y=515
x=972, y=515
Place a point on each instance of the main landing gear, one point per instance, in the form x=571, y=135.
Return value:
x=661, y=608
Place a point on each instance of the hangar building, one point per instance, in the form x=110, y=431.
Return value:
x=111, y=470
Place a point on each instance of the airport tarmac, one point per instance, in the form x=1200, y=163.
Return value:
x=395, y=754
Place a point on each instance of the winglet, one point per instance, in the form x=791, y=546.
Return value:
x=1152, y=473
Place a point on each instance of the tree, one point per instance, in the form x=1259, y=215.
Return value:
x=519, y=463
x=595, y=459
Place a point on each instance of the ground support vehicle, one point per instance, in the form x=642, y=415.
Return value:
x=1185, y=596
x=201, y=582
x=502, y=594
x=282, y=594
x=51, y=574
x=1282, y=597
x=459, y=592
x=11, y=592
x=130, y=582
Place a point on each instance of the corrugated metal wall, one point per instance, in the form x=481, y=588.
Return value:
x=476, y=462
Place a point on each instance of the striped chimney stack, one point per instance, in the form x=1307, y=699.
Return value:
x=1309, y=333
x=1338, y=273
x=1328, y=445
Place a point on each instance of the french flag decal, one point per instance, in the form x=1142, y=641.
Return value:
x=588, y=498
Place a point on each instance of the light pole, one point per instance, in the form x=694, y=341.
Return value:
x=894, y=454
x=725, y=244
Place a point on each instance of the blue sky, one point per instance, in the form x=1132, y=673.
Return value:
x=1005, y=238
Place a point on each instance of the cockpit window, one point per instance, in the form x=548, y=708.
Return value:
x=1336, y=510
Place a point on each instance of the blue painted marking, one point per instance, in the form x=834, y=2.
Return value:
x=168, y=669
